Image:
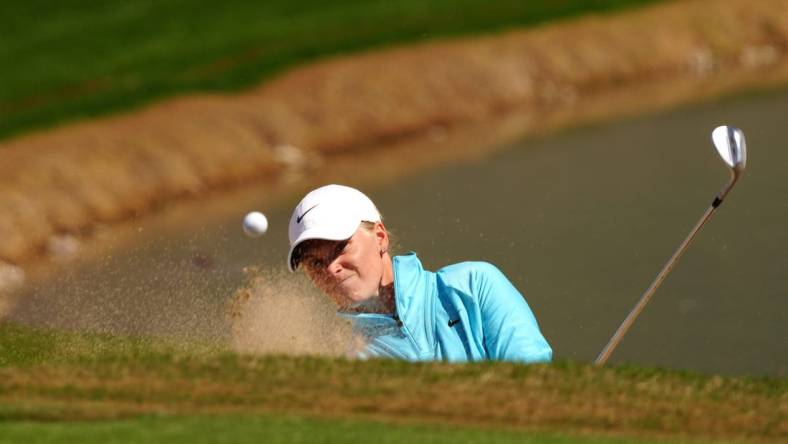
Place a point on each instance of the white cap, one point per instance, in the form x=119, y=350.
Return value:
x=331, y=212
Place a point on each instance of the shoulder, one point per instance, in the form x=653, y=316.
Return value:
x=469, y=267
x=471, y=273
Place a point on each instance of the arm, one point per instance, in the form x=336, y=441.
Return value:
x=510, y=329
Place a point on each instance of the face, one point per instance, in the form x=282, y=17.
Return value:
x=349, y=271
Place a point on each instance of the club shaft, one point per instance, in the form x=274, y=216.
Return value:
x=630, y=319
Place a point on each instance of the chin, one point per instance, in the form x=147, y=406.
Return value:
x=358, y=295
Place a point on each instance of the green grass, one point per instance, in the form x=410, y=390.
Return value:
x=22, y=347
x=281, y=430
x=64, y=385
x=72, y=59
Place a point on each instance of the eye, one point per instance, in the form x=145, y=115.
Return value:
x=340, y=248
x=314, y=263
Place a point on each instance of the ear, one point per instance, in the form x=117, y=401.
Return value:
x=382, y=237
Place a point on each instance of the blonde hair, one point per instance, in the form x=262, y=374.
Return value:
x=368, y=225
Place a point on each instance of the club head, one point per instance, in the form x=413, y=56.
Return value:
x=731, y=146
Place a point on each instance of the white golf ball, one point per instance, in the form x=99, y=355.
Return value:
x=255, y=224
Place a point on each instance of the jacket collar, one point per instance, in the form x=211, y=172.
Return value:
x=409, y=276
x=414, y=293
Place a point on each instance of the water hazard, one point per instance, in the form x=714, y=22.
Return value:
x=580, y=221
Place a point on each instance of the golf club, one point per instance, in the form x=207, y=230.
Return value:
x=730, y=145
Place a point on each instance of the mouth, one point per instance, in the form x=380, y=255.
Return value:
x=343, y=280
x=336, y=285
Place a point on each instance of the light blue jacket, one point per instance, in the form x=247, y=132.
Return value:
x=464, y=312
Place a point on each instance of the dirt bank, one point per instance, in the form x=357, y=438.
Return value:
x=68, y=179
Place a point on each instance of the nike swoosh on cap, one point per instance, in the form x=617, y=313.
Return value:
x=298, y=218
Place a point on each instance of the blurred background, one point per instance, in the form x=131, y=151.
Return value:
x=566, y=142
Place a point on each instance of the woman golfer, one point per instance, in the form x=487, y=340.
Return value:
x=463, y=312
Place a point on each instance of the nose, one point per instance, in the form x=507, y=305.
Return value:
x=335, y=267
